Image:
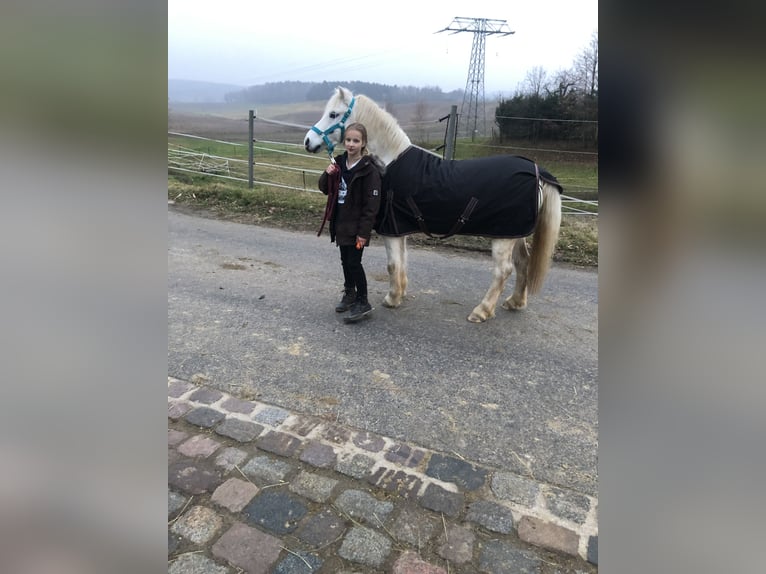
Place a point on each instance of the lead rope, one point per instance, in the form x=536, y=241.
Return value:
x=333, y=182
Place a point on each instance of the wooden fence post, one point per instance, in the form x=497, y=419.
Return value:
x=250, y=117
x=449, y=151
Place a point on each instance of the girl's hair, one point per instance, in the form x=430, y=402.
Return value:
x=356, y=126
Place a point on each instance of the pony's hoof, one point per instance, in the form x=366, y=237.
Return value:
x=389, y=302
x=513, y=304
x=478, y=316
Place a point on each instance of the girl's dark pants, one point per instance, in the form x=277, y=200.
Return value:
x=353, y=272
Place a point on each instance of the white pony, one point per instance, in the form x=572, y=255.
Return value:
x=388, y=142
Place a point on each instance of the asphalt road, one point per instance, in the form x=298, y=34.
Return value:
x=251, y=311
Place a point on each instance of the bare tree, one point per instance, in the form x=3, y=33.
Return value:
x=562, y=84
x=586, y=67
x=419, y=118
x=534, y=82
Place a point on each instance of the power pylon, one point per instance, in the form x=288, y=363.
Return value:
x=473, y=96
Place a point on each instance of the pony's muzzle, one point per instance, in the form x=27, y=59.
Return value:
x=310, y=148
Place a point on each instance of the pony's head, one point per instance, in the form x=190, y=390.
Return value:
x=330, y=128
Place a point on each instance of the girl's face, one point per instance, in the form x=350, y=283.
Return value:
x=353, y=143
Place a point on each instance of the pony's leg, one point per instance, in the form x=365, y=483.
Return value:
x=396, y=253
x=502, y=250
x=520, y=260
x=403, y=281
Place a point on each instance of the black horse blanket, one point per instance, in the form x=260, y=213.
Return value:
x=491, y=197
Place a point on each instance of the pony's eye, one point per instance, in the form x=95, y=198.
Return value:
x=334, y=115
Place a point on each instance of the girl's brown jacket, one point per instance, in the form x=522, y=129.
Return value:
x=357, y=215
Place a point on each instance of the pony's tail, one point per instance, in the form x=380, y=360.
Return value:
x=544, y=239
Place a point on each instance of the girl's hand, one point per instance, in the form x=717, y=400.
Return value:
x=360, y=242
x=331, y=169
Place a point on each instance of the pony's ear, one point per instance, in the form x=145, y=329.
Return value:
x=345, y=94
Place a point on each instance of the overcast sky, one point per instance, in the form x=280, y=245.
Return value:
x=250, y=42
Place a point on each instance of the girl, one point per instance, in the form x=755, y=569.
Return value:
x=353, y=215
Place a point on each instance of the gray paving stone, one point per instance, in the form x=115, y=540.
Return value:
x=234, y=494
x=456, y=545
x=491, y=516
x=174, y=541
x=358, y=466
x=174, y=456
x=515, y=488
x=175, y=437
x=369, y=441
x=198, y=445
x=319, y=455
x=499, y=557
x=176, y=502
x=320, y=529
x=299, y=563
x=234, y=405
x=192, y=477
x=451, y=469
x=178, y=409
x=365, y=546
x=267, y=470
x=335, y=433
x=439, y=500
x=241, y=431
x=230, y=457
x=396, y=481
x=414, y=527
x=179, y=388
x=548, y=535
x=593, y=550
x=277, y=512
x=313, y=486
x=204, y=417
x=363, y=506
x=279, y=443
x=196, y=564
x=405, y=455
x=198, y=524
x=248, y=548
x=272, y=416
x=207, y=396
x=567, y=504
x=410, y=563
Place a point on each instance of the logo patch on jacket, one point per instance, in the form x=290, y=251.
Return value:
x=374, y=192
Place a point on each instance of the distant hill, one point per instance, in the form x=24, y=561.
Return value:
x=193, y=91
x=196, y=92
x=295, y=91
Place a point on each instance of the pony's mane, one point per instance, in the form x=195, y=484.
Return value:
x=381, y=125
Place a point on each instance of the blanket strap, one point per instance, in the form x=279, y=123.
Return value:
x=462, y=220
x=418, y=216
x=466, y=215
x=388, y=210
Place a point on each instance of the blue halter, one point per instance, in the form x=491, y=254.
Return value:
x=341, y=124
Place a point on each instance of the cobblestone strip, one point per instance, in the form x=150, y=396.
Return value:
x=541, y=514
